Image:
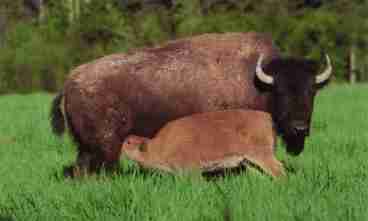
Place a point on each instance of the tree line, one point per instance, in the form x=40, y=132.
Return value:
x=41, y=40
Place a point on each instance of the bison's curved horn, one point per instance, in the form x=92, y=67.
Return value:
x=262, y=76
x=325, y=74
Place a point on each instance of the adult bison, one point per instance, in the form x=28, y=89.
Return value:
x=137, y=93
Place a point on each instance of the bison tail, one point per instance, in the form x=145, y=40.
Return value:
x=57, y=116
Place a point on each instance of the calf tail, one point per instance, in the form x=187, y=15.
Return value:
x=57, y=116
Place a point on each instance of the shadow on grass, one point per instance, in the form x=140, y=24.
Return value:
x=215, y=175
x=59, y=175
x=143, y=173
x=211, y=176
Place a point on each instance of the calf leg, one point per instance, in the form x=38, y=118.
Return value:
x=269, y=164
x=273, y=167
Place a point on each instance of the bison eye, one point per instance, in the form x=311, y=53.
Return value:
x=280, y=90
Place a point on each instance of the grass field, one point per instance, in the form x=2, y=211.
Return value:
x=329, y=181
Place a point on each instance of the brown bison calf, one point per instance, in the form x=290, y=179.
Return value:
x=209, y=142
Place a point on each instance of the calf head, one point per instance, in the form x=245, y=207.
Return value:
x=293, y=84
x=133, y=146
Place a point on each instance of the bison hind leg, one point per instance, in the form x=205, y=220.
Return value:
x=99, y=128
x=86, y=163
x=101, y=160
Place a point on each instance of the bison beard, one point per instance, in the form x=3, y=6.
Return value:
x=294, y=144
x=293, y=140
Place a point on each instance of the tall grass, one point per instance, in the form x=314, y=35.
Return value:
x=329, y=181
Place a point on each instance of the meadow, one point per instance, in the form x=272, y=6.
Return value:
x=328, y=181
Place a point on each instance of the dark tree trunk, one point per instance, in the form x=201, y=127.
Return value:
x=2, y=26
x=34, y=9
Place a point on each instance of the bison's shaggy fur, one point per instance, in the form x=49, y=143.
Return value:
x=209, y=142
x=138, y=92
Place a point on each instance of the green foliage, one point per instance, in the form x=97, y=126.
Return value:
x=329, y=181
x=13, y=9
x=151, y=26
x=38, y=54
x=188, y=18
x=28, y=64
x=315, y=34
x=26, y=58
x=103, y=24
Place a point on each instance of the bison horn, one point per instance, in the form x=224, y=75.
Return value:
x=262, y=76
x=326, y=74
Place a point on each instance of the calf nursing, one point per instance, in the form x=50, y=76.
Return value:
x=138, y=92
x=209, y=142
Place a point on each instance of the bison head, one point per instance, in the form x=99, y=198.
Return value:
x=293, y=84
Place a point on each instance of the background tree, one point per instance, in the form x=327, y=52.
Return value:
x=38, y=55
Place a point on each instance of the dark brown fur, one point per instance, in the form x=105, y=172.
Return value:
x=208, y=142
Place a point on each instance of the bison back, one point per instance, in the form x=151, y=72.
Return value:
x=204, y=73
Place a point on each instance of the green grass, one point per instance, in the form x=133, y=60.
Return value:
x=330, y=181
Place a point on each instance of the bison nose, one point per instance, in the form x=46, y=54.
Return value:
x=300, y=128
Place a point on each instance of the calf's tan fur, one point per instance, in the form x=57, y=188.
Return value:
x=208, y=142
